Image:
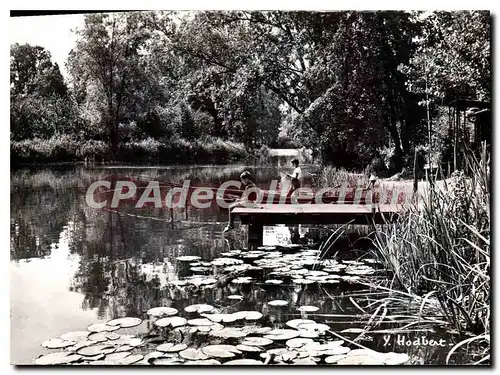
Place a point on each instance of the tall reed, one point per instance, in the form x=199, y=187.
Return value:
x=440, y=249
x=331, y=176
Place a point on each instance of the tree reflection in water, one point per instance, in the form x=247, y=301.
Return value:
x=126, y=262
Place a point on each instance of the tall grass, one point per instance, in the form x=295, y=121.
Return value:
x=440, y=250
x=64, y=148
x=334, y=177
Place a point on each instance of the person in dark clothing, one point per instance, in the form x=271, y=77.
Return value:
x=249, y=184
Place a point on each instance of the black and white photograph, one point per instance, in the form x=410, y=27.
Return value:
x=250, y=187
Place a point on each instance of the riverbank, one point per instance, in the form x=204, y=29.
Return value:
x=65, y=149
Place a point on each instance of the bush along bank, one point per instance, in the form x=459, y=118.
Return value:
x=66, y=149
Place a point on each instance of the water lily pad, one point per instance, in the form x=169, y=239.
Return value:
x=129, y=341
x=278, y=302
x=329, y=345
x=102, y=327
x=328, y=281
x=304, y=362
x=299, y=342
x=179, y=282
x=111, y=336
x=247, y=315
x=317, y=273
x=339, y=350
x=334, y=358
x=273, y=282
x=75, y=336
x=353, y=330
x=95, y=350
x=371, y=261
x=257, y=330
x=167, y=361
x=220, y=351
x=124, y=348
x=117, y=356
x=94, y=358
x=220, y=262
x=288, y=356
x=80, y=344
x=200, y=322
x=162, y=311
x=203, y=362
x=60, y=358
x=125, y=322
x=57, y=343
x=129, y=360
x=396, y=358
x=256, y=341
x=193, y=354
x=308, y=308
x=361, y=360
x=172, y=321
x=217, y=318
x=353, y=262
x=315, y=327
x=350, y=279
x=303, y=281
x=230, y=318
x=206, y=329
x=235, y=297
x=363, y=352
x=200, y=269
x=228, y=332
x=242, y=280
x=309, y=334
x=201, y=280
x=360, y=271
x=238, y=268
x=244, y=362
x=170, y=347
x=156, y=354
x=188, y=258
x=199, y=308
x=295, y=323
x=98, y=336
x=249, y=348
x=281, y=334
x=103, y=336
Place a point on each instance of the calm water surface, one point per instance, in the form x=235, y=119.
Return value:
x=72, y=266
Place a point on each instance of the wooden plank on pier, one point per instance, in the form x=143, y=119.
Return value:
x=316, y=214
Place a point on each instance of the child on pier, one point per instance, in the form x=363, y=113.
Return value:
x=252, y=196
x=295, y=176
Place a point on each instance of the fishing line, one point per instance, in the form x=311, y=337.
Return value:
x=201, y=224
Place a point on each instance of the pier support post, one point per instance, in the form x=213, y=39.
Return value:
x=255, y=235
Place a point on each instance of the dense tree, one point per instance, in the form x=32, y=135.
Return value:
x=40, y=103
x=105, y=68
x=347, y=84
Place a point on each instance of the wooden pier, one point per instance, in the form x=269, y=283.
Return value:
x=258, y=216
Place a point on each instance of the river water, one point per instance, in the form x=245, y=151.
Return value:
x=73, y=266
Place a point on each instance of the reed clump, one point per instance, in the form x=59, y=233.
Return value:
x=439, y=252
x=330, y=176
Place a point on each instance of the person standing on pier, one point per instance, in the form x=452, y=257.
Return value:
x=295, y=176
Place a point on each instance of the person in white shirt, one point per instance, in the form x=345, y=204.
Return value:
x=371, y=181
x=295, y=176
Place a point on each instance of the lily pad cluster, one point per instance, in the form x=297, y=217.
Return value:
x=203, y=334
x=233, y=339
